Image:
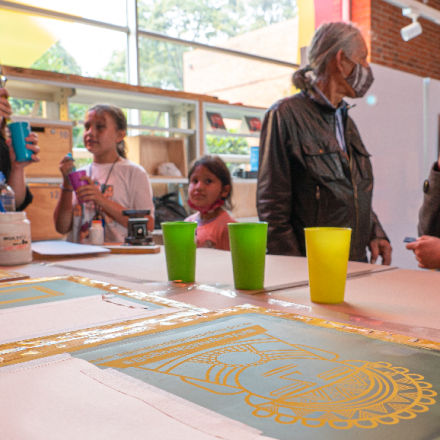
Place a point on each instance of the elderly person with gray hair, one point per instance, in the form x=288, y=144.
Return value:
x=314, y=169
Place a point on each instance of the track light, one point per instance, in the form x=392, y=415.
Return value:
x=411, y=31
x=414, y=29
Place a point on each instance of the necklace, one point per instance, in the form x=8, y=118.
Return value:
x=103, y=187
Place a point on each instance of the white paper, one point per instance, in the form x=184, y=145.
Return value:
x=60, y=397
x=45, y=319
x=59, y=247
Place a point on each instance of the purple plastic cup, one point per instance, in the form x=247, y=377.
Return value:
x=75, y=179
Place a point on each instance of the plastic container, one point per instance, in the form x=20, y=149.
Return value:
x=7, y=195
x=96, y=233
x=15, y=239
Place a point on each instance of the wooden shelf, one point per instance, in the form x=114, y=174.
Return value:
x=54, y=79
x=238, y=135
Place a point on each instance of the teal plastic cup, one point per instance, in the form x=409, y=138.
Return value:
x=248, y=243
x=179, y=239
x=19, y=132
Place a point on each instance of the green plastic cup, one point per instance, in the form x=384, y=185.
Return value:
x=327, y=250
x=248, y=250
x=179, y=239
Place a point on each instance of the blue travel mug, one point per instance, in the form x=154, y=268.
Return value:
x=20, y=131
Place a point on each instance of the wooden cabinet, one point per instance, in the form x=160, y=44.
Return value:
x=40, y=211
x=151, y=151
x=244, y=198
x=55, y=141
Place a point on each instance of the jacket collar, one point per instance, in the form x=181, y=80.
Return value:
x=318, y=96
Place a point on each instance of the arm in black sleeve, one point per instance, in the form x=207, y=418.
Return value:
x=274, y=188
x=27, y=201
x=377, y=231
x=429, y=214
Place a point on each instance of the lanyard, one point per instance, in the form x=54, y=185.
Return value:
x=103, y=188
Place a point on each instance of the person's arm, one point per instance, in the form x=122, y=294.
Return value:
x=63, y=215
x=16, y=178
x=427, y=251
x=429, y=214
x=379, y=243
x=274, y=187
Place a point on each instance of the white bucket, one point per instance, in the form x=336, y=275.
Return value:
x=15, y=239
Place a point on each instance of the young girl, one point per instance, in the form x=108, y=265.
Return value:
x=209, y=192
x=114, y=183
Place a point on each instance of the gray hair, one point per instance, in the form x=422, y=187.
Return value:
x=328, y=40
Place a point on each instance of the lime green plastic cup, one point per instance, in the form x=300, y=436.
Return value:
x=180, y=243
x=248, y=250
x=327, y=250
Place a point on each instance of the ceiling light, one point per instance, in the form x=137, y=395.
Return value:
x=415, y=28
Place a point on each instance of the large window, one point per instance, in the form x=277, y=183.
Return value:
x=108, y=11
x=179, y=42
x=213, y=22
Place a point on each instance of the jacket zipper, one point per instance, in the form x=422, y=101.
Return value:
x=356, y=207
x=318, y=205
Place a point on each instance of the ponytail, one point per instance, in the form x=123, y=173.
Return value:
x=302, y=79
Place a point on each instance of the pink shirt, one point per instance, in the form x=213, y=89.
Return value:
x=212, y=233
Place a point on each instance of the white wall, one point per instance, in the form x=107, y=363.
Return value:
x=393, y=132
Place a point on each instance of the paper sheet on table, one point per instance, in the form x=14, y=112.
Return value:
x=39, y=320
x=56, y=247
x=62, y=397
x=213, y=267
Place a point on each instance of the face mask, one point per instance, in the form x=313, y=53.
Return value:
x=360, y=80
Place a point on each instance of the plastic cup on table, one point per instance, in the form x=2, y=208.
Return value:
x=248, y=243
x=327, y=251
x=179, y=239
x=19, y=132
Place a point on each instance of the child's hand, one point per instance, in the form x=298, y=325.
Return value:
x=67, y=165
x=90, y=192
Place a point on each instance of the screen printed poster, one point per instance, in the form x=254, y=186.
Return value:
x=47, y=290
x=216, y=121
x=253, y=123
x=289, y=379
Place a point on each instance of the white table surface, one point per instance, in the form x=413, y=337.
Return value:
x=213, y=267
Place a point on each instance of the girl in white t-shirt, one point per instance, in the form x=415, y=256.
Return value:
x=114, y=183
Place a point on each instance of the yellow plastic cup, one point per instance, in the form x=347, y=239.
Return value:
x=327, y=258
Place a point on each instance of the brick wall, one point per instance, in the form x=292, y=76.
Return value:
x=380, y=24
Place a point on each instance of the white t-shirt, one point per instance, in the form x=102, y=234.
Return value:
x=128, y=185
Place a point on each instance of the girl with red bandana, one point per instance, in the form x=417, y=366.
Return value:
x=209, y=191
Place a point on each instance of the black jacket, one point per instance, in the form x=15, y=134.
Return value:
x=5, y=168
x=306, y=180
x=429, y=215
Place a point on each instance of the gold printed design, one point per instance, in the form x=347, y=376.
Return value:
x=45, y=293
x=289, y=382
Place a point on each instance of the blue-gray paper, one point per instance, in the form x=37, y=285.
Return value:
x=25, y=294
x=289, y=379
